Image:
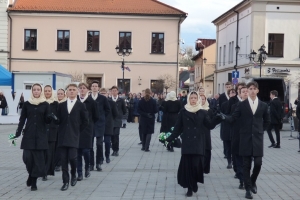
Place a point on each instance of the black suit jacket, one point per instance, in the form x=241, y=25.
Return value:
x=276, y=111
x=109, y=121
x=222, y=99
x=103, y=111
x=121, y=107
x=70, y=125
x=252, y=127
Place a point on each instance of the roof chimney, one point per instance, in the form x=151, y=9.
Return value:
x=11, y=2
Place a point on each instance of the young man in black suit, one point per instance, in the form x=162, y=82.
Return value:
x=99, y=128
x=118, y=120
x=276, y=111
x=72, y=119
x=254, y=120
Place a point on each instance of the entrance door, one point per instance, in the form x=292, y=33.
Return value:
x=89, y=80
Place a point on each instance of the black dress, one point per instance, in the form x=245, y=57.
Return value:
x=191, y=126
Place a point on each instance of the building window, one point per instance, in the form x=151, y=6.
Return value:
x=157, y=86
x=229, y=54
x=224, y=55
x=220, y=56
x=232, y=50
x=63, y=40
x=93, y=40
x=124, y=40
x=126, y=85
x=157, y=45
x=30, y=39
x=275, y=47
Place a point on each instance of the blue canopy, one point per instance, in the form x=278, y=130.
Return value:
x=5, y=77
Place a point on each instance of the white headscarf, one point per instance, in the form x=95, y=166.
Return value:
x=36, y=101
x=52, y=98
x=64, y=99
x=171, y=96
x=206, y=104
x=193, y=108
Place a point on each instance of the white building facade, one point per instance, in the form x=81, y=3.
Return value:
x=3, y=33
x=272, y=23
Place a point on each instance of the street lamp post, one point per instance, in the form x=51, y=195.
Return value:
x=237, y=49
x=261, y=57
x=123, y=52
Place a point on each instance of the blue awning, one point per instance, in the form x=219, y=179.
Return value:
x=5, y=77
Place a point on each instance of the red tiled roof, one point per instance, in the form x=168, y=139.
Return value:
x=143, y=7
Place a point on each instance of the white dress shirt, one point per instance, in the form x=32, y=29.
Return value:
x=114, y=99
x=70, y=104
x=95, y=97
x=253, y=104
x=239, y=98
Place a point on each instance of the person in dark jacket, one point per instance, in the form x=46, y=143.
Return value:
x=87, y=135
x=214, y=102
x=255, y=119
x=298, y=116
x=276, y=111
x=226, y=130
x=191, y=124
x=109, y=124
x=183, y=99
x=51, y=131
x=235, y=140
x=118, y=120
x=72, y=120
x=160, y=101
x=147, y=108
x=99, y=127
x=130, y=100
x=36, y=114
x=3, y=103
x=171, y=108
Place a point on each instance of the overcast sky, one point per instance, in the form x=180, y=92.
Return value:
x=200, y=15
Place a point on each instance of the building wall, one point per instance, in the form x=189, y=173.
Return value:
x=3, y=33
x=105, y=63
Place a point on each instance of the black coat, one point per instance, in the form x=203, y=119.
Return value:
x=225, y=131
x=213, y=104
x=3, y=103
x=70, y=125
x=35, y=132
x=121, y=106
x=183, y=101
x=207, y=133
x=144, y=108
x=135, y=107
x=86, y=136
x=103, y=110
x=52, y=128
x=252, y=127
x=109, y=121
x=170, y=110
x=222, y=99
x=298, y=112
x=191, y=128
x=235, y=133
x=276, y=111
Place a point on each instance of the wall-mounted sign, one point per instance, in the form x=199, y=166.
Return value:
x=277, y=71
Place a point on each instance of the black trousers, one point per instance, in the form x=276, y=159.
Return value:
x=107, y=143
x=227, y=144
x=276, y=127
x=99, y=151
x=86, y=155
x=68, y=155
x=146, y=141
x=57, y=156
x=247, y=161
x=35, y=162
x=115, y=139
x=50, y=161
x=207, y=159
x=239, y=167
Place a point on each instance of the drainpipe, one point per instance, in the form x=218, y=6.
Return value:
x=177, y=68
x=237, y=39
x=10, y=34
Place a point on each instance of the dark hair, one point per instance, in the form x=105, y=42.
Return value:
x=147, y=94
x=240, y=84
x=114, y=87
x=94, y=81
x=48, y=86
x=274, y=92
x=242, y=88
x=37, y=85
x=252, y=83
x=228, y=92
x=83, y=84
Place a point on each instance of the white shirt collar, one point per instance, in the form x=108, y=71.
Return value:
x=239, y=98
x=72, y=101
x=114, y=99
x=253, y=104
x=94, y=96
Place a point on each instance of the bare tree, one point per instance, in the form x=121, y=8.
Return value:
x=187, y=53
x=168, y=81
x=76, y=76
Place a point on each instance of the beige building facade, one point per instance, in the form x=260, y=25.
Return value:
x=83, y=44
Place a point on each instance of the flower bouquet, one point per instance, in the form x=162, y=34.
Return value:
x=12, y=140
x=163, y=137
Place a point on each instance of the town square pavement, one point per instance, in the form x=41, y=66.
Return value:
x=138, y=175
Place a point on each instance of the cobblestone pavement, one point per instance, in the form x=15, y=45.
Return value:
x=139, y=175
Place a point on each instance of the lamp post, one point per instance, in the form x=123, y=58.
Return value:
x=261, y=57
x=237, y=49
x=123, y=52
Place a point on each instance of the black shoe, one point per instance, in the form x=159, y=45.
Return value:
x=101, y=162
x=80, y=177
x=143, y=148
x=254, y=188
x=113, y=154
x=116, y=153
x=225, y=157
x=189, y=193
x=57, y=168
x=248, y=195
x=73, y=181
x=87, y=173
x=235, y=176
x=91, y=167
x=299, y=151
x=64, y=187
x=98, y=166
x=124, y=126
x=272, y=145
x=241, y=186
x=140, y=143
x=44, y=178
x=28, y=182
x=277, y=147
x=229, y=166
x=33, y=188
x=107, y=160
x=147, y=150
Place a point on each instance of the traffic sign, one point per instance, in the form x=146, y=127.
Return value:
x=235, y=81
x=235, y=74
